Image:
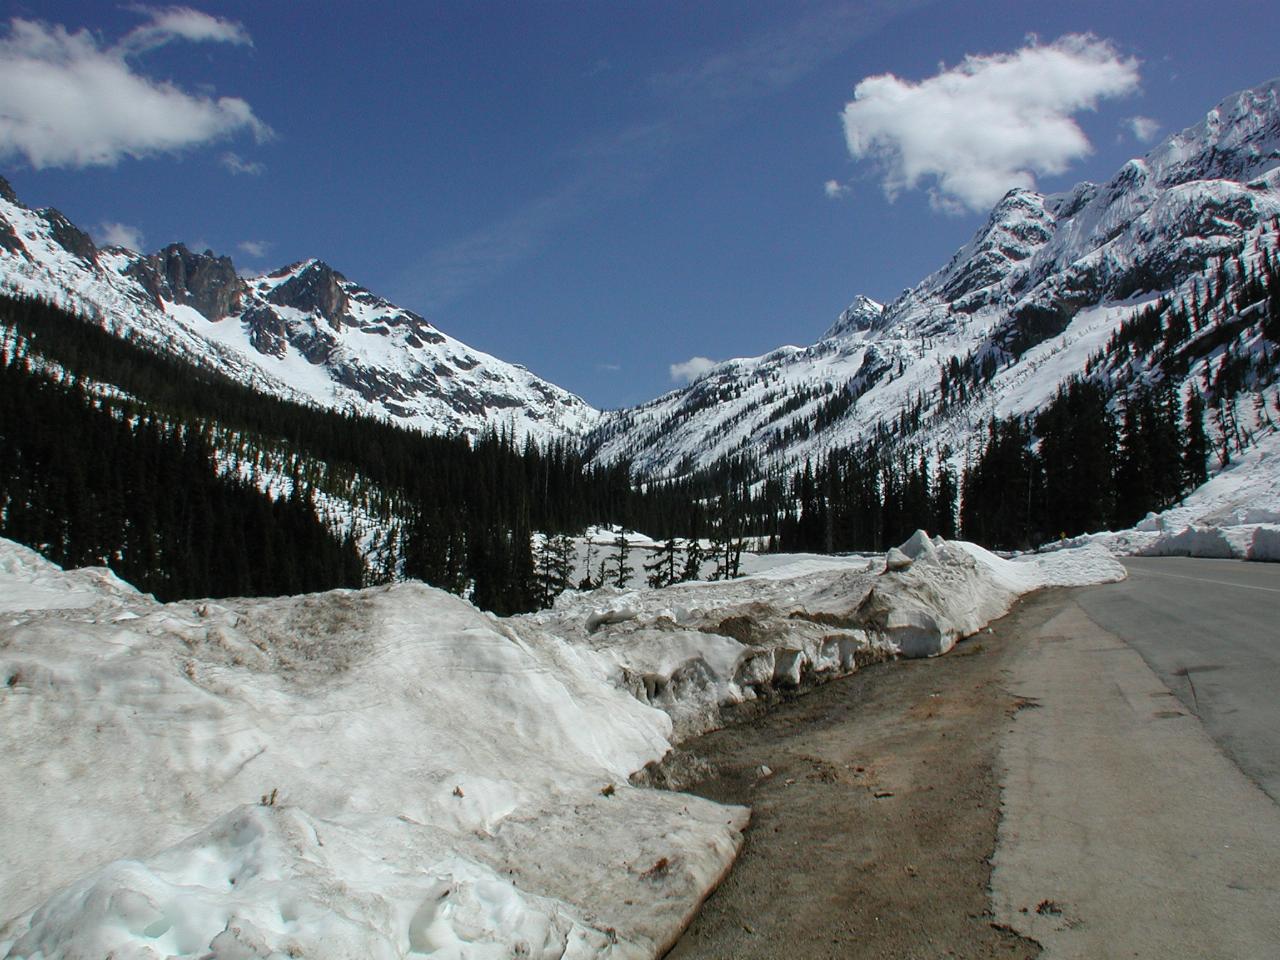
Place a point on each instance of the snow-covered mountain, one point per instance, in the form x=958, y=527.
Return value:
x=303, y=332
x=1043, y=284
x=1040, y=288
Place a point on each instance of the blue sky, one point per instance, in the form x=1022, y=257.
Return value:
x=598, y=190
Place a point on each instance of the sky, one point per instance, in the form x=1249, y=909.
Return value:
x=614, y=194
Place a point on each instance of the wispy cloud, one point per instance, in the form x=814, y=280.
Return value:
x=254, y=248
x=1144, y=129
x=835, y=190
x=991, y=123
x=69, y=100
x=167, y=24
x=238, y=165
x=113, y=234
x=691, y=369
x=683, y=106
x=608, y=367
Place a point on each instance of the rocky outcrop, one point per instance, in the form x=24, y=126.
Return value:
x=202, y=281
x=70, y=237
x=315, y=287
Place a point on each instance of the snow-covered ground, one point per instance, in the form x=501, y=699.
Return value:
x=1236, y=514
x=389, y=771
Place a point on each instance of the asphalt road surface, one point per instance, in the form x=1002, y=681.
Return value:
x=1210, y=629
x=1131, y=827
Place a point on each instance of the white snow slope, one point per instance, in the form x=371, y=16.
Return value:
x=1045, y=281
x=303, y=332
x=389, y=772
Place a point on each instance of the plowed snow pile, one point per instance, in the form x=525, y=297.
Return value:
x=1235, y=514
x=389, y=771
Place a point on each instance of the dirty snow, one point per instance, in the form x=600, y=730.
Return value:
x=389, y=771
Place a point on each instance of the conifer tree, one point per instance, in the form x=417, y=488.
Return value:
x=693, y=560
x=662, y=570
x=621, y=573
x=1195, y=454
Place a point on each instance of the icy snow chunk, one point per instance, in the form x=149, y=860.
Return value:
x=896, y=560
x=918, y=545
x=617, y=612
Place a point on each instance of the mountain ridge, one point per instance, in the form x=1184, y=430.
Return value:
x=1045, y=276
x=301, y=332
x=1033, y=278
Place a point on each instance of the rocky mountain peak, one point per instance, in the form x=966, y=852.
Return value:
x=70, y=237
x=6, y=192
x=203, y=281
x=1238, y=139
x=859, y=315
x=313, y=286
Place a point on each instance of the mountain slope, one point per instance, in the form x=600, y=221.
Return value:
x=1040, y=287
x=304, y=332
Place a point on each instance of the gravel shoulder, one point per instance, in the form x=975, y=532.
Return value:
x=875, y=821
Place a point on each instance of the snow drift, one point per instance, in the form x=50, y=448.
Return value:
x=389, y=771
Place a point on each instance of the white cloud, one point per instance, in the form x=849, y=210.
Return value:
x=237, y=164
x=609, y=367
x=254, y=248
x=989, y=124
x=68, y=100
x=1144, y=129
x=182, y=23
x=120, y=235
x=691, y=369
x=835, y=190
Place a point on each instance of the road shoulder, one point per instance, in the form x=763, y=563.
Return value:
x=874, y=805
x=1125, y=831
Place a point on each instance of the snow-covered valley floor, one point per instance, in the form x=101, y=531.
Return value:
x=387, y=772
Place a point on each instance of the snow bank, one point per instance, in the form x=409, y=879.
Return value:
x=389, y=771
x=45, y=586
x=953, y=589
x=1244, y=541
x=1265, y=544
x=1235, y=514
x=355, y=773
x=697, y=649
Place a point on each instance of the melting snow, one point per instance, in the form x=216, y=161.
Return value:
x=390, y=771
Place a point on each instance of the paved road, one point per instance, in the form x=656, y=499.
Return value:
x=1127, y=829
x=1210, y=629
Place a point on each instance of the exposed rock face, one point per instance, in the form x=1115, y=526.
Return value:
x=70, y=237
x=9, y=241
x=205, y=282
x=313, y=286
x=200, y=280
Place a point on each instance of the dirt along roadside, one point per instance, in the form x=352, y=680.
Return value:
x=875, y=809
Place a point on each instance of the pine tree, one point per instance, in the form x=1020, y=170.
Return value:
x=662, y=570
x=621, y=570
x=1195, y=454
x=693, y=560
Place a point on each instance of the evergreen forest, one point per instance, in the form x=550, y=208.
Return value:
x=188, y=484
